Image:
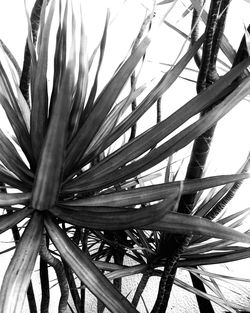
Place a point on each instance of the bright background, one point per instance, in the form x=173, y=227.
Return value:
x=231, y=144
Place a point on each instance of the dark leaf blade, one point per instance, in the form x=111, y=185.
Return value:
x=12, y=160
x=17, y=276
x=81, y=85
x=47, y=182
x=174, y=144
x=11, y=58
x=151, y=138
x=102, y=106
x=111, y=218
x=8, y=221
x=87, y=272
x=185, y=224
x=155, y=192
x=111, y=121
x=38, y=121
x=8, y=91
x=216, y=258
x=93, y=91
x=16, y=109
x=59, y=56
x=21, y=132
x=9, y=179
x=7, y=199
x=166, y=82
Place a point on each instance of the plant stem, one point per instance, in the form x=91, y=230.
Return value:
x=72, y=287
x=174, y=246
x=61, y=276
x=44, y=278
x=195, y=34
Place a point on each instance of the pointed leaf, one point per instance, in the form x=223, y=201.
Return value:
x=30, y=37
x=60, y=55
x=7, y=199
x=47, y=182
x=38, y=122
x=112, y=218
x=102, y=106
x=174, y=144
x=111, y=121
x=11, y=159
x=9, y=94
x=9, y=179
x=182, y=223
x=225, y=305
x=82, y=83
x=165, y=2
x=87, y=272
x=11, y=58
x=21, y=132
x=240, y=216
x=155, y=192
x=7, y=221
x=216, y=258
x=93, y=91
x=166, y=82
x=17, y=276
x=150, y=138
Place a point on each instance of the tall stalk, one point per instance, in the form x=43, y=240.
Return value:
x=172, y=247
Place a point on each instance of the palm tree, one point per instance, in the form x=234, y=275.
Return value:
x=72, y=169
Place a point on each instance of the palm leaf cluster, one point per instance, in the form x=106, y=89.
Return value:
x=71, y=177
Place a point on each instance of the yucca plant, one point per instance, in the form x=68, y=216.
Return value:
x=76, y=175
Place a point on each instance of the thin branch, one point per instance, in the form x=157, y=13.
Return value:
x=61, y=276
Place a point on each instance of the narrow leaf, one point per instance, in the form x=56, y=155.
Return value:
x=11, y=159
x=81, y=85
x=11, y=58
x=7, y=221
x=8, y=178
x=155, y=192
x=182, y=223
x=17, y=276
x=47, y=182
x=111, y=218
x=165, y=83
x=216, y=258
x=93, y=91
x=87, y=272
x=7, y=199
x=21, y=132
x=39, y=88
x=174, y=144
x=102, y=106
x=150, y=138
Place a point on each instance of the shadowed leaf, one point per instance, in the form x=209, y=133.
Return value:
x=87, y=272
x=112, y=218
x=47, y=182
x=9, y=220
x=155, y=192
x=182, y=223
x=7, y=199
